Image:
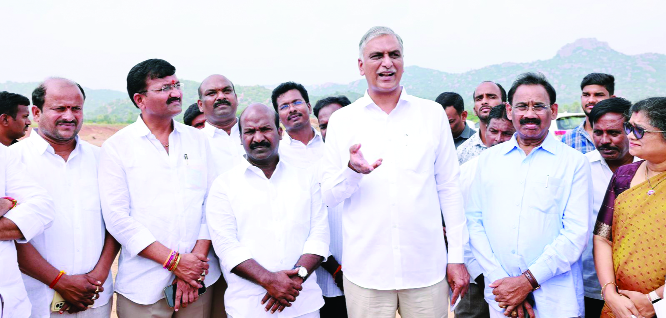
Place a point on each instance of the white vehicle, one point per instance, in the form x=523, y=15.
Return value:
x=566, y=121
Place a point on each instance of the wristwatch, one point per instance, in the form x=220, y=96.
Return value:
x=302, y=272
x=654, y=297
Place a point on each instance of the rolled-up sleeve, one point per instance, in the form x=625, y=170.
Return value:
x=115, y=197
x=318, y=241
x=224, y=231
x=447, y=174
x=568, y=246
x=35, y=210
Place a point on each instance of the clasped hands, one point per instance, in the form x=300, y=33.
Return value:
x=511, y=294
x=190, y=273
x=282, y=288
x=79, y=291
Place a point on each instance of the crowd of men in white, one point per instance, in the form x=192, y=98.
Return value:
x=263, y=228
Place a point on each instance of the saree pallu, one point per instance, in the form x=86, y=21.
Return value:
x=639, y=238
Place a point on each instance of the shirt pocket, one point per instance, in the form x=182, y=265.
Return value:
x=87, y=201
x=544, y=191
x=415, y=152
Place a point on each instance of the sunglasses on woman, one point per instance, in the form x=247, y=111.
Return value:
x=639, y=132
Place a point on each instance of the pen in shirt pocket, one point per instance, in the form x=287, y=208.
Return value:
x=186, y=162
x=547, y=180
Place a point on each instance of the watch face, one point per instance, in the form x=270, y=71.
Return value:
x=302, y=272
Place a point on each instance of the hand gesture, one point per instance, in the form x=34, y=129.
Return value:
x=185, y=294
x=358, y=163
x=510, y=292
x=79, y=291
x=282, y=290
x=458, y=279
x=191, y=267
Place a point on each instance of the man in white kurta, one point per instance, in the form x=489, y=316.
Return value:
x=266, y=220
x=391, y=159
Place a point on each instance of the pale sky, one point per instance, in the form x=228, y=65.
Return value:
x=313, y=42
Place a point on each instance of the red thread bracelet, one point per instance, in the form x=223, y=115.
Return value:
x=337, y=270
x=55, y=281
x=14, y=202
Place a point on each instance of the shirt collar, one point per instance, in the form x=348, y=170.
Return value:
x=367, y=100
x=595, y=156
x=250, y=168
x=467, y=132
x=316, y=138
x=141, y=129
x=211, y=130
x=41, y=145
x=549, y=144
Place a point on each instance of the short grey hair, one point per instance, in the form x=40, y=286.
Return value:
x=374, y=32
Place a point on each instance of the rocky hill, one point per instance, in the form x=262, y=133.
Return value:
x=637, y=77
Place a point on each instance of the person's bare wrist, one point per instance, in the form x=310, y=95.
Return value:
x=352, y=167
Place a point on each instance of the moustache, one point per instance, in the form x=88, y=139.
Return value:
x=65, y=122
x=173, y=99
x=221, y=102
x=607, y=147
x=525, y=121
x=264, y=143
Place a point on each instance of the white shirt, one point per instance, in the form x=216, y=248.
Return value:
x=467, y=173
x=227, y=149
x=300, y=155
x=150, y=195
x=309, y=157
x=273, y=221
x=75, y=240
x=392, y=217
x=32, y=216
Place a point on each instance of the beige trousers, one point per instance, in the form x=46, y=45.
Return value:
x=99, y=312
x=426, y=302
x=199, y=309
x=217, y=303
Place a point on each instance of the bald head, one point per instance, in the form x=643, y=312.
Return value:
x=260, y=133
x=218, y=101
x=259, y=109
x=213, y=78
x=39, y=94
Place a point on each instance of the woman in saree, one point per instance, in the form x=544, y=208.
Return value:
x=630, y=232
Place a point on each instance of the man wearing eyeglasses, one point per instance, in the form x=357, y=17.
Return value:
x=529, y=212
x=607, y=118
x=303, y=145
x=154, y=177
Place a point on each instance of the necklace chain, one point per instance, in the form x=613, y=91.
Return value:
x=651, y=191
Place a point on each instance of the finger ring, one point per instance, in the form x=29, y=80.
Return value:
x=204, y=273
x=94, y=297
x=514, y=314
x=96, y=289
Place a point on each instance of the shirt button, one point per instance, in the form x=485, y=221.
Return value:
x=513, y=251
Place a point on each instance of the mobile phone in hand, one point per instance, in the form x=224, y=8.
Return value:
x=170, y=293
